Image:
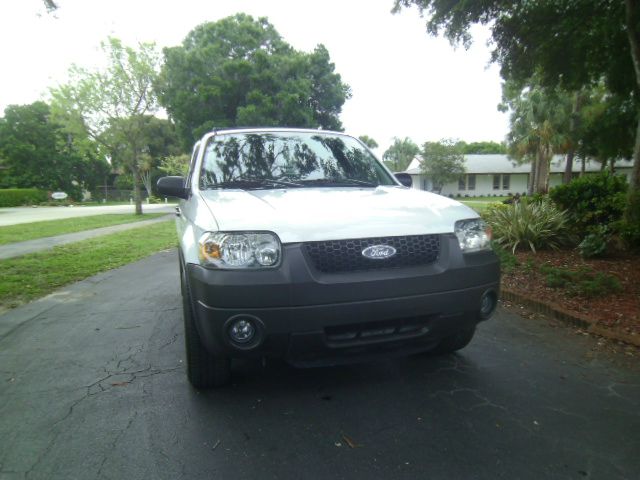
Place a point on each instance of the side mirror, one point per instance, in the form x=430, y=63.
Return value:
x=404, y=179
x=172, y=187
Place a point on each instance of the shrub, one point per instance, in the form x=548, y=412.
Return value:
x=582, y=282
x=629, y=234
x=535, y=225
x=15, y=197
x=592, y=200
x=508, y=260
x=595, y=243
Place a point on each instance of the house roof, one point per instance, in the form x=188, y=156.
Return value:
x=503, y=164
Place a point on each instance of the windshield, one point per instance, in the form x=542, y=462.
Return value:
x=289, y=159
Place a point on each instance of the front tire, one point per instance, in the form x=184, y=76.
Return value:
x=454, y=342
x=203, y=369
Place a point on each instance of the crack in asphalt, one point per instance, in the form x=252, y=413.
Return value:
x=562, y=411
x=133, y=375
x=484, y=401
x=112, y=445
x=171, y=341
x=611, y=388
x=26, y=322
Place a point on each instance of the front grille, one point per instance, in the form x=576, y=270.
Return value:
x=334, y=256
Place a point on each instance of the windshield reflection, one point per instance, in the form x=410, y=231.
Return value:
x=300, y=158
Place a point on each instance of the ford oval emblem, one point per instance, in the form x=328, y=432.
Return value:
x=379, y=252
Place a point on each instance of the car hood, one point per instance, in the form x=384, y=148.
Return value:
x=311, y=214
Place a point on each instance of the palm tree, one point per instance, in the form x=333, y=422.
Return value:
x=539, y=127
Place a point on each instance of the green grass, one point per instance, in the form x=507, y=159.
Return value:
x=95, y=203
x=50, y=228
x=32, y=276
x=482, y=199
x=480, y=204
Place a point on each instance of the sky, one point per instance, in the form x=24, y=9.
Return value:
x=404, y=82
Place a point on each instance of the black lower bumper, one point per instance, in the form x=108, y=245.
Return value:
x=311, y=318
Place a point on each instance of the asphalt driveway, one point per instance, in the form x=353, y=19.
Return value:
x=92, y=385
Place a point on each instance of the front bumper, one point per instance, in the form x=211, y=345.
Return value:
x=314, y=318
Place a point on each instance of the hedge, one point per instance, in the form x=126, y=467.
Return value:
x=15, y=197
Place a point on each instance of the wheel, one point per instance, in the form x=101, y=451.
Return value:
x=203, y=369
x=456, y=341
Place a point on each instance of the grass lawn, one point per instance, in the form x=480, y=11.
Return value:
x=479, y=204
x=482, y=199
x=49, y=228
x=31, y=276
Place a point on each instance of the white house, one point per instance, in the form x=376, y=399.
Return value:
x=499, y=175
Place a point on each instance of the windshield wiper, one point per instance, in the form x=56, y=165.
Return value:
x=273, y=181
x=342, y=182
x=252, y=184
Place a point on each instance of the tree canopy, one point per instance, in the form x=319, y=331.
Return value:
x=442, y=161
x=482, y=148
x=239, y=72
x=368, y=141
x=399, y=155
x=35, y=151
x=156, y=139
x=568, y=44
x=110, y=107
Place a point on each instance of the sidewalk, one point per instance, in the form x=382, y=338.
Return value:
x=17, y=215
x=12, y=250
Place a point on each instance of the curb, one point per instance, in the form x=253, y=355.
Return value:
x=571, y=318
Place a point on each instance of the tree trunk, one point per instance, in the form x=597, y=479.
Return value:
x=568, y=169
x=573, y=125
x=542, y=180
x=137, y=197
x=146, y=181
x=583, y=166
x=632, y=210
x=532, y=176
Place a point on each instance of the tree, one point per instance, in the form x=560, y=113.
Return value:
x=442, y=162
x=156, y=139
x=368, y=141
x=568, y=43
x=36, y=152
x=50, y=5
x=110, y=106
x=239, y=71
x=539, y=124
x=482, y=148
x=400, y=154
x=175, y=165
x=606, y=125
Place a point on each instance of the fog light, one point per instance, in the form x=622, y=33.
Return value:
x=488, y=303
x=242, y=331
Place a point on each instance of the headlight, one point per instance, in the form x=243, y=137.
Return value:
x=239, y=249
x=473, y=234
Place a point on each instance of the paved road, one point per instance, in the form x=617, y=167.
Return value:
x=15, y=216
x=92, y=385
